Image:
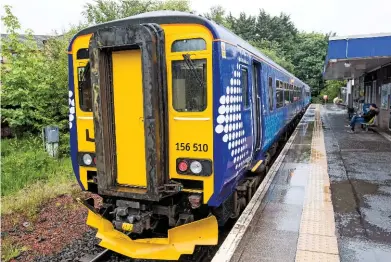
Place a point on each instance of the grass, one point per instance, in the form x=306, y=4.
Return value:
x=24, y=162
x=10, y=250
x=30, y=176
x=30, y=199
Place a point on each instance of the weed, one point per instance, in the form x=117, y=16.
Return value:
x=30, y=176
x=31, y=198
x=25, y=162
x=10, y=250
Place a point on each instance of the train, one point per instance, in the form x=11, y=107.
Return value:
x=173, y=121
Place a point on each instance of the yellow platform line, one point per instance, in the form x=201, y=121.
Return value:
x=317, y=237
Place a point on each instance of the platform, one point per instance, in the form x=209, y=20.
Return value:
x=327, y=197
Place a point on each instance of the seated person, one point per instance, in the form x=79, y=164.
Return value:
x=373, y=111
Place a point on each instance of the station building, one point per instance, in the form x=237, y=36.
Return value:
x=365, y=61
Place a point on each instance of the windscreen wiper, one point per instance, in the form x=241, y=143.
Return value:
x=192, y=68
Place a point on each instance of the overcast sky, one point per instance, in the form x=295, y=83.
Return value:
x=345, y=17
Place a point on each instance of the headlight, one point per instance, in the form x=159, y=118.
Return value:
x=196, y=167
x=87, y=159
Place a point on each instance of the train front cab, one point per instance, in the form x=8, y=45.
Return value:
x=143, y=77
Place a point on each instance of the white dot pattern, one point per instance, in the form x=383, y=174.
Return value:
x=229, y=121
x=71, y=109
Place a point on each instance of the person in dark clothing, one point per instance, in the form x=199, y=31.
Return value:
x=365, y=118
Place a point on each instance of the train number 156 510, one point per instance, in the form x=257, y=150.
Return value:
x=188, y=147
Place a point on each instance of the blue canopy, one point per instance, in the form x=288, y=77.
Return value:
x=352, y=56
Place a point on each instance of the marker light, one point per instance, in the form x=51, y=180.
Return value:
x=196, y=167
x=183, y=166
x=87, y=159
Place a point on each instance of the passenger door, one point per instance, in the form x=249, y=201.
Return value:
x=257, y=129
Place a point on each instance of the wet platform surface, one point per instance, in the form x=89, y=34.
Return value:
x=299, y=219
x=360, y=174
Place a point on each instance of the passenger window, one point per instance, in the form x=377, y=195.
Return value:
x=184, y=45
x=189, y=86
x=291, y=94
x=271, y=106
x=279, y=94
x=286, y=94
x=85, y=88
x=244, y=83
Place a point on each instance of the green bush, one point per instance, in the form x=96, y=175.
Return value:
x=316, y=100
x=24, y=162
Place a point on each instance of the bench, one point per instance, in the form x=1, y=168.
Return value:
x=370, y=123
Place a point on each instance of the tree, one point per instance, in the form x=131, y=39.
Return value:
x=34, y=81
x=308, y=57
x=332, y=88
x=243, y=26
x=217, y=14
x=101, y=11
x=276, y=29
x=271, y=51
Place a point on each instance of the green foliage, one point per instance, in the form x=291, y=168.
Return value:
x=217, y=14
x=10, y=250
x=244, y=26
x=106, y=10
x=308, y=58
x=332, y=89
x=34, y=81
x=279, y=29
x=24, y=162
x=271, y=51
x=277, y=37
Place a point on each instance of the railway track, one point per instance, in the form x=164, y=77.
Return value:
x=102, y=256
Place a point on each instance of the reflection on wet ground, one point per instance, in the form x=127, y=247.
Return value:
x=273, y=233
x=359, y=168
x=360, y=172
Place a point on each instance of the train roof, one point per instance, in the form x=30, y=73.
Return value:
x=172, y=17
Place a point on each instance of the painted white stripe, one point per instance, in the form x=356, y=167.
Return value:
x=385, y=135
x=228, y=248
x=192, y=118
x=85, y=117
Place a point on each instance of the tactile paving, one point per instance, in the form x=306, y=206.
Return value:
x=317, y=215
x=317, y=235
x=324, y=227
x=317, y=196
x=323, y=205
x=309, y=256
x=318, y=243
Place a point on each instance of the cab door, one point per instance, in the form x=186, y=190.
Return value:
x=190, y=104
